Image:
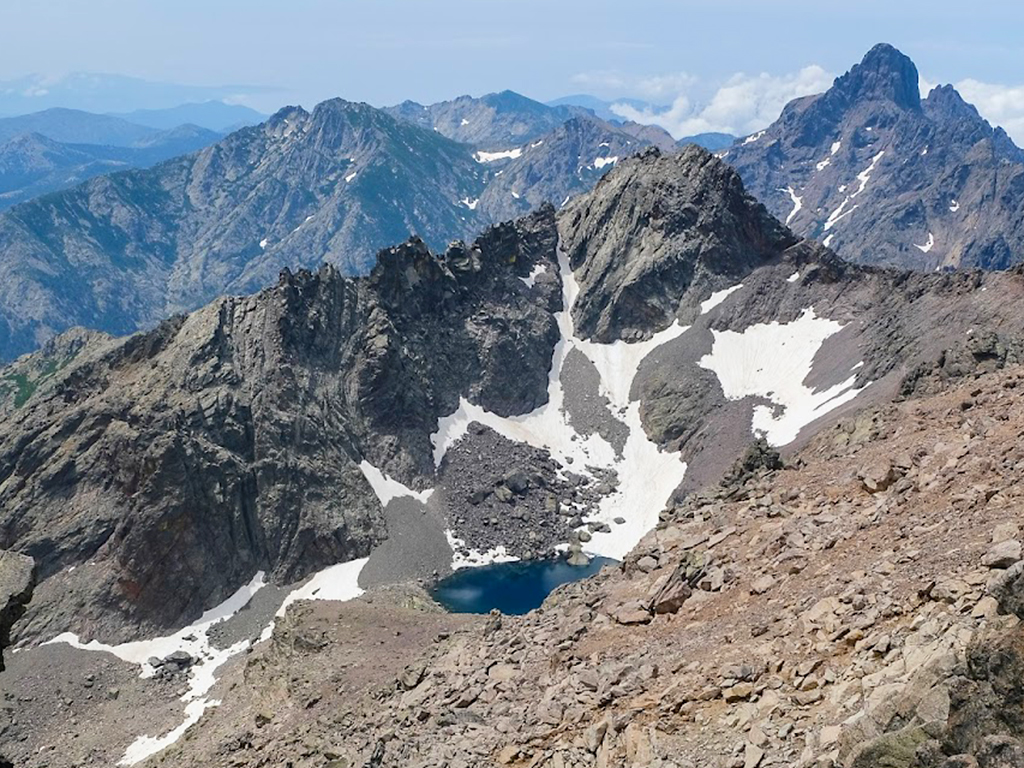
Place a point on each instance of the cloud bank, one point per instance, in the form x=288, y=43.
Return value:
x=745, y=104
x=742, y=105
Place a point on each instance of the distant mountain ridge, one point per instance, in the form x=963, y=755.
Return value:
x=33, y=165
x=212, y=115
x=58, y=148
x=121, y=253
x=886, y=177
x=494, y=121
x=104, y=93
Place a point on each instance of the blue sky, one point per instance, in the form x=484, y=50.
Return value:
x=383, y=51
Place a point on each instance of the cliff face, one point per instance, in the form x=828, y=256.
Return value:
x=182, y=460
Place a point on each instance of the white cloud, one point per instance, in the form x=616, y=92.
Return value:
x=1001, y=105
x=653, y=87
x=743, y=105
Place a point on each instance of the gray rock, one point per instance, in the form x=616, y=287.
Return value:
x=1008, y=589
x=1002, y=555
x=17, y=582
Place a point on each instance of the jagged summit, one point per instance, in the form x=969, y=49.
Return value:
x=655, y=226
x=884, y=74
x=884, y=177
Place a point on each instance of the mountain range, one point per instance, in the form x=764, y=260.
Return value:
x=249, y=436
x=122, y=252
x=108, y=93
x=585, y=369
x=886, y=177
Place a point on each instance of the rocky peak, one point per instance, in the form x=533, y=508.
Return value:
x=946, y=101
x=655, y=227
x=884, y=177
x=885, y=74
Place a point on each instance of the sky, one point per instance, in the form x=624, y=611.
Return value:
x=721, y=65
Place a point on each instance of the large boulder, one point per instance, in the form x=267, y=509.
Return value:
x=17, y=579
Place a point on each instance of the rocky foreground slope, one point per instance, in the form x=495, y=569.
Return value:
x=858, y=606
x=886, y=177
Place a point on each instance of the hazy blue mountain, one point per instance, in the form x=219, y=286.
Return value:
x=32, y=164
x=603, y=108
x=123, y=251
x=885, y=177
x=713, y=142
x=74, y=126
x=212, y=115
x=103, y=93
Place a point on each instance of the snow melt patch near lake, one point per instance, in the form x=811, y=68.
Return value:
x=601, y=162
x=193, y=639
x=337, y=582
x=772, y=360
x=474, y=558
x=647, y=475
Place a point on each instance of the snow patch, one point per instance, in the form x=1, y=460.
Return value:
x=793, y=278
x=471, y=204
x=954, y=206
x=147, y=746
x=601, y=162
x=827, y=242
x=863, y=177
x=798, y=203
x=387, y=488
x=474, y=558
x=515, y=194
x=824, y=164
x=648, y=476
x=755, y=137
x=263, y=243
x=506, y=154
x=772, y=360
x=538, y=269
x=835, y=147
x=351, y=176
x=337, y=582
x=464, y=121
x=927, y=246
x=193, y=639
x=717, y=298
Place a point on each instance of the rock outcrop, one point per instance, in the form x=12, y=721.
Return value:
x=17, y=580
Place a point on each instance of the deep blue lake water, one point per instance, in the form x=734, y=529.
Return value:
x=512, y=588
